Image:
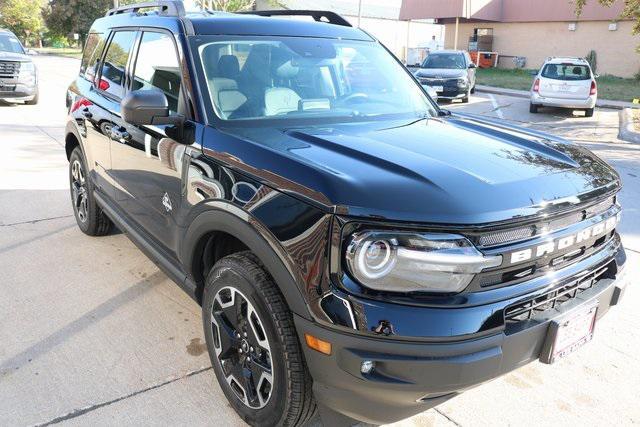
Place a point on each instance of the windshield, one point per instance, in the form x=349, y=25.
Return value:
x=291, y=78
x=9, y=43
x=566, y=72
x=453, y=61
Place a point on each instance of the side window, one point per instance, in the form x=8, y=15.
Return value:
x=112, y=75
x=157, y=67
x=91, y=56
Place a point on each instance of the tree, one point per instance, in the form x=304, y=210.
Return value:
x=226, y=5
x=631, y=11
x=232, y=5
x=66, y=17
x=22, y=17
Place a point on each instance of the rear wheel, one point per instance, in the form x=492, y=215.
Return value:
x=588, y=112
x=533, y=108
x=89, y=216
x=253, y=345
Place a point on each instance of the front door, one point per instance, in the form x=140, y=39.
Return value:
x=146, y=163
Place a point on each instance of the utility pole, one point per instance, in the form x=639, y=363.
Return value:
x=116, y=3
x=359, y=12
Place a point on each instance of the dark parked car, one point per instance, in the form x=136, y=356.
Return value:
x=355, y=249
x=450, y=72
x=18, y=74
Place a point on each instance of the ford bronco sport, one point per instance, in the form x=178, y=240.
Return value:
x=356, y=250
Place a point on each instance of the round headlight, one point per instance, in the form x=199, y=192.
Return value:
x=375, y=258
x=410, y=261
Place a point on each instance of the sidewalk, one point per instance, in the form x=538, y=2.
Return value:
x=602, y=103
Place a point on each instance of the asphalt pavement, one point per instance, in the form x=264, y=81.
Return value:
x=92, y=333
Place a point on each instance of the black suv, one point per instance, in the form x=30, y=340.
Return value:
x=356, y=250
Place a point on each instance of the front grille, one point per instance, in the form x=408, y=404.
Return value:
x=9, y=68
x=513, y=235
x=526, y=310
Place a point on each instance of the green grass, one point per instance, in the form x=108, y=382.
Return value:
x=73, y=52
x=609, y=87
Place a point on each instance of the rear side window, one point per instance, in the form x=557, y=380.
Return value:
x=157, y=67
x=112, y=74
x=91, y=56
x=566, y=72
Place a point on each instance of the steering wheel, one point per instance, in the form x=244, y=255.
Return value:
x=353, y=96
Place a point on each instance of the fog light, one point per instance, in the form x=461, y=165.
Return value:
x=367, y=366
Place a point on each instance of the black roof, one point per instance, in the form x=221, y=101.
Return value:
x=222, y=23
x=247, y=24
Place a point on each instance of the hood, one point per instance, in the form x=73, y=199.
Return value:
x=440, y=73
x=10, y=56
x=448, y=170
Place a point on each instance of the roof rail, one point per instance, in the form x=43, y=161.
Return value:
x=166, y=8
x=318, y=15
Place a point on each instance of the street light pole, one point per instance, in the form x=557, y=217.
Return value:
x=116, y=3
x=359, y=12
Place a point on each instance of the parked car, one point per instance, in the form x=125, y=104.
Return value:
x=450, y=72
x=18, y=74
x=432, y=93
x=565, y=82
x=357, y=251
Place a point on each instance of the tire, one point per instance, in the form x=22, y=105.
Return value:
x=34, y=100
x=473, y=89
x=90, y=217
x=588, y=112
x=533, y=108
x=465, y=100
x=288, y=399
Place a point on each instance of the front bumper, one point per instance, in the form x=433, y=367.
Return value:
x=413, y=375
x=537, y=99
x=17, y=90
x=450, y=89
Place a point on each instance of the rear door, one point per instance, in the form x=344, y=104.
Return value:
x=103, y=108
x=566, y=80
x=147, y=163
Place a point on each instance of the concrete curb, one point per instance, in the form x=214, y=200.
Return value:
x=626, y=131
x=602, y=103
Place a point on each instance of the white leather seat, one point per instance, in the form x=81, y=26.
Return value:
x=280, y=100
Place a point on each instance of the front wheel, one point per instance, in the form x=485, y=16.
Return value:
x=253, y=344
x=90, y=217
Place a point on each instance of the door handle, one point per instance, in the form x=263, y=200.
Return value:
x=120, y=134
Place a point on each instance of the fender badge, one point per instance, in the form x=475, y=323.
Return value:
x=166, y=202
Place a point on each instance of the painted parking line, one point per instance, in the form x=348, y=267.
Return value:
x=496, y=107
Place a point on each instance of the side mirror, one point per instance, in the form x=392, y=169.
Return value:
x=533, y=72
x=147, y=107
x=596, y=76
x=472, y=65
x=32, y=52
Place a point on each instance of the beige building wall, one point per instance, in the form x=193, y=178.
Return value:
x=398, y=35
x=616, y=50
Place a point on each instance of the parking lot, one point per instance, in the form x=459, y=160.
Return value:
x=92, y=333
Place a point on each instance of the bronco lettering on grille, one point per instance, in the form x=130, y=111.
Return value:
x=565, y=241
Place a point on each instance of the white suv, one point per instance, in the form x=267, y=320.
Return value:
x=564, y=82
